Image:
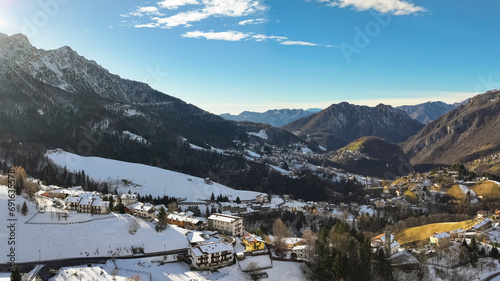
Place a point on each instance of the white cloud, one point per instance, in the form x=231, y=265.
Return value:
x=148, y=25
x=252, y=21
x=174, y=4
x=225, y=35
x=184, y=18
x=301, y=43
x=142, y=11
x=212, y=8
x=395, y=7
x=262, y=37
x=232, y=35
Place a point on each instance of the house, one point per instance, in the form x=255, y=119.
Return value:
x=440, y=239
x=291, y=242
x=226, y=224
x=100, y=207
x=146, y=210
x=185, y=220
x=129, y=199
x=211, y=256
x=87, y=203
x=253, y=243
x=302, y=252
x=385, y=241
x=72, y=202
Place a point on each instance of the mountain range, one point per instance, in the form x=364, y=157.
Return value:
x=339, y=124
x=60, y=99
x=429, y=111
x=466, y=133
x=275, y=117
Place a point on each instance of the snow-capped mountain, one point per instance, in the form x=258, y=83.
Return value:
x=65, y=69
x=275, y=117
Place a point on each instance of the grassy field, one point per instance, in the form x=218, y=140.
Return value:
x=488, y=189
x=456, y=192
x=354, y=145
x=425, y=231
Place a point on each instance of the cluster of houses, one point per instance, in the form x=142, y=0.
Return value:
x=390, y=246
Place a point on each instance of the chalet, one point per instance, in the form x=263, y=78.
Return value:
x=252, y=243
x=146, y=210
x=440, y=239
x=457, y=233
x=226, y=224
x=185, y=220
x=211, y=256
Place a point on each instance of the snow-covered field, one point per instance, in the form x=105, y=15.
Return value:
x=100, y=237
x=150, y=267
x=146, y=179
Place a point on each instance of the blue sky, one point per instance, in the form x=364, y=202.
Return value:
x=235, y=55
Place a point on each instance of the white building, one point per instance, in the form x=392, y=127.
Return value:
x=129, y=199
x=226, y=224
x=211, y=256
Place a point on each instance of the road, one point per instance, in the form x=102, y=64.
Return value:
x=56, y=264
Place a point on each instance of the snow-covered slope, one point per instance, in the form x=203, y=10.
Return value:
x=106, y=235
x=146, y=179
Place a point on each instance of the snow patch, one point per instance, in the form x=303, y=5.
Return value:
x=135, y=137
x=261, y=134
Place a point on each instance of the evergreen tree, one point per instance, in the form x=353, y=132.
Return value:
x=15, y=276
x=212, y=197
x=473, y=244
x=494, y=253
x=24, y=209
x=238, y=201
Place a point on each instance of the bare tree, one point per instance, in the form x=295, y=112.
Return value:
x=280, y=231
x=133, y=226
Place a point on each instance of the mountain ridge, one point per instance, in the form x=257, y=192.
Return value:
x=339, y=124
x=463, y=134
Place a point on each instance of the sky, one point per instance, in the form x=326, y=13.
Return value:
x=227, y=56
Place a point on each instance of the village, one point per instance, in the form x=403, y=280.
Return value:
x=218, y=237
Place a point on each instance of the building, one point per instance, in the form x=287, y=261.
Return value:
x=253, y=243
x=385, y=242
x=302, y=252
x=185, y=220
x=226, y=224
x=440, y=239
x=211, y=256
x=87, y=203
x=129, y=199
x=482, y=226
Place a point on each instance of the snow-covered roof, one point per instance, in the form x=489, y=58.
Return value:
x=292, y=240
x=211, y=248
x=128, y=196
x=100, y=203
x=195, y=237
x=441, y=235
x=224, y=218
x=481, y=224
x=73, y=199
x=251, y=239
